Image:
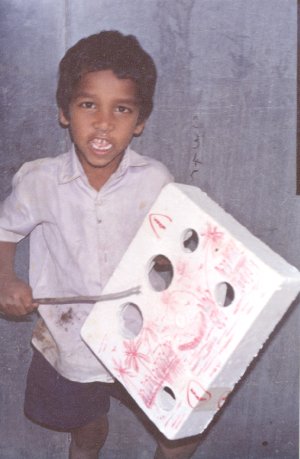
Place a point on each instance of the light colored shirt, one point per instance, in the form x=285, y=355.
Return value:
x=77, y=238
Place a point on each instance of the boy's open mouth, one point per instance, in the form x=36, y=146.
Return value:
x=100, y=145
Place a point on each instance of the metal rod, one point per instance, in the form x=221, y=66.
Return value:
x=88, y=299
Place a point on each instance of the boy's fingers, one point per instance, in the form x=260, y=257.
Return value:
x=19, y=306
x=13, y=310
x=27, y=305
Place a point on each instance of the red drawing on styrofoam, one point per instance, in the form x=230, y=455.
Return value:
x=165, y=368
x=149, y=390
x=227, y=340
x=179, y=299
x=192, y=336
x=197, y=394
x=166, y=363
x=207, y=359
x=149, y=334
x=207, y=301
x=212, y=243
x=122, y=372
x=212, y=236
x=237, y=267
x=177, y=421
x=133, y=356
x=188, y=329
x=166, y=298
x=223, y=399
x=159, y=223
x=201, y=326
x=184, y=271
x=102, y=345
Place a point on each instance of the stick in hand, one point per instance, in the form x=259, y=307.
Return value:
x=88, y=299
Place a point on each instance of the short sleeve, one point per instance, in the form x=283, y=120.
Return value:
x=19, y=211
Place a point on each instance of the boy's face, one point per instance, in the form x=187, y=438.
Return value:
x=103, y=118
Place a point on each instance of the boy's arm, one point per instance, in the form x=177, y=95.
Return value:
x=15, y=295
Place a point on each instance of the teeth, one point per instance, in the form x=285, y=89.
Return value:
x=101, y=144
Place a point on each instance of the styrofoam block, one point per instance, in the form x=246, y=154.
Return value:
x=181, y=345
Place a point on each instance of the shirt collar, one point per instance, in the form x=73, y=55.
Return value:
x=72, y=169
x=131, y=159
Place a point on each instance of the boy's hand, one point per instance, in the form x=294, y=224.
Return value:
x=16, y=297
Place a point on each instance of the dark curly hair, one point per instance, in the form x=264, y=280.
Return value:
x=108, y=50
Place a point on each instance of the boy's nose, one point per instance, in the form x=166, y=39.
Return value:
x=103, y=121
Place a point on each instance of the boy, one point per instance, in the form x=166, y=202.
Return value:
x=82, y=209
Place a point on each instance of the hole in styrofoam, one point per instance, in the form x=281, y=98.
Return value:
x=166, y=399
x=131, y=320
x=190, y=240
x=224, y=294
x=160, y=273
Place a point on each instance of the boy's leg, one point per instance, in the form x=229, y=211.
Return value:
x=87, y=441
x=168, y=449
x=60, y=404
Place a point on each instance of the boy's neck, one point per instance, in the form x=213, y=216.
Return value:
x=98, y=176
x=97, y=180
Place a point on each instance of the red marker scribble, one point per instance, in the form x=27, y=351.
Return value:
x=222, y=399
x=180, y=298
x=188, y=345
x=133, y=355
x=177, y=422
x=238, y=267
x=149, y=333
x=158, y=223
x=196, y=394
x=215, y=313
x=225, y=342
x=123, y=373
x=212, y=236
x=185, y=273
x=165, y=368
x=149, y=389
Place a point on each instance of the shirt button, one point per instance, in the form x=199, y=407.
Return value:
x=98, y=214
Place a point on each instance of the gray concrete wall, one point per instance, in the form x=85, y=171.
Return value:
x=224, y=120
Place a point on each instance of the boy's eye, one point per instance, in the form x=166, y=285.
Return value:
x=122, y=109
x=87, y=104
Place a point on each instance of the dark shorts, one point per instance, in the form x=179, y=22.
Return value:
x=60, y=404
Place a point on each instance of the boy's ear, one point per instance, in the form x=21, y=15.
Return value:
x=62, y=118
x=139, y=128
